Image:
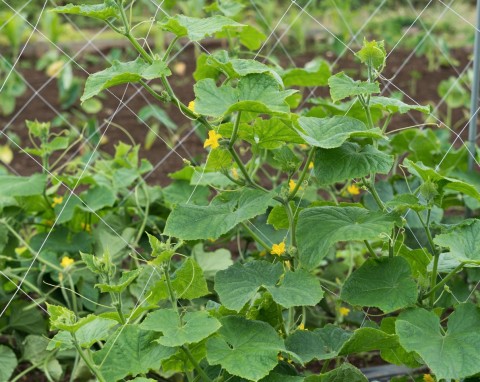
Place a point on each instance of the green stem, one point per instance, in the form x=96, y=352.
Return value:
x=195, y=364
x=118, y=307
x=93, y=368
x=233, y=138
x=242, y=168
x=371, y=187
x=155, y=95
x=370, y=249
x=25, y=372
x=440, y=284
x=366, y=107
x=171, y=293
x=387, y=122
x=169, y=49
x=291, y=223
x=256, y=237
x=303, y=174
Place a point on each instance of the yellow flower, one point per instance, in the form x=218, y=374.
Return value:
x=428, y=378
x=235, y=173
x=353, y=190
x=278, y=249
x=191, y=106
x=291, y=185
x=310, y=165
x=55, y=68
x=212, y=140
x=66, y=261
x=343, y=311
x=20, y=250
x=301, y=326
x=86, y=227
x=57, y=200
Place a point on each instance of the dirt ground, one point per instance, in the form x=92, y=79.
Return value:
x=161, y=152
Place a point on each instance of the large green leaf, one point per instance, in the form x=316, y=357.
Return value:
x=315, y=73
x=334, y=224
x=177, y=331
x=107, y=10
x=122, y=73
x=258, y=93
x=443, y=182
x=187, y=282
x=346, y=372
x=320, y=344
x=385, y=283
x=463, y=243
x=11, y=185
x=123, y=282
x=130, y=351
x=393, y=105
x=332, y=132
x=8, y=360
x=191, y=222
x=350, y=161
x=245, y=348
x=197, y=28
x=368, y=339
x=342, y=86
x=212, y=262
x=450, y=354
x=239, y=284
x=236, y=67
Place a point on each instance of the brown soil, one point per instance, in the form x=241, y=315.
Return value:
x=424, y=92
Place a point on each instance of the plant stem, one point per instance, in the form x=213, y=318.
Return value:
x=155, y=95
x=387, y=122
x=169, y=49
x=233, y=138
x=431, y=292
x=256, y=237
x=302, y=174
x=370, y=249
x=93, y=368
x=171, y=293
x=291, y=223
x=195, y=364
x=373, y=191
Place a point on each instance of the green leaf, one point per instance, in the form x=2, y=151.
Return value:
x=334, y=224
x=245, y=348
x=258, y=93
x=8, y=360
x=191, y=222
x=278, y=217
x=98, y=197
x=373, y=54
x=212, y=262
x=443, y=182
x=105, y=11
x=118, y=287
x=239, y=284
x=197, y=28
x=368, y=339
x=315, y=73
x=342, y=86
x=299, y=288
x=190, y=328
x=320, y=344
x=236, y=67
x=11, y=185
x=188, y=283
x=393, y=105
x=346, y=372
x=450, y=354
x=122, y=73
x=385, y=283
x=64, y=319
x=332, y=132
x=463, y=243
x=130, y=351
x=350, y=161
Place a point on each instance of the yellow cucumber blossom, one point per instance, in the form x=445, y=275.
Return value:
x=212, y=140
x=343, y=311
x=191, y=106
x=57, y=200
x=66, y=261
x=428, y=378
x=278, y=249
x=353, y=190
x=310, y=165
x=301, y=326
